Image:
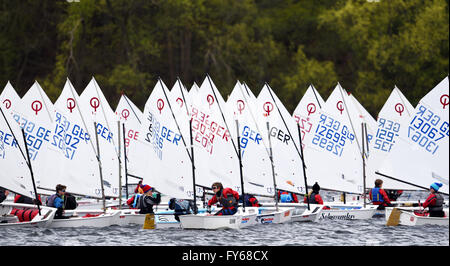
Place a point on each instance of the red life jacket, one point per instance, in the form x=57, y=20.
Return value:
x=24, y=215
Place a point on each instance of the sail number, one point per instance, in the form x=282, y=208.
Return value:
x=427, y=128
x=330, y=135
x=386, y=133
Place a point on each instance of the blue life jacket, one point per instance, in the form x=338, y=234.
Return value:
x=376, y=195
x=286, y=197
x=136, y=200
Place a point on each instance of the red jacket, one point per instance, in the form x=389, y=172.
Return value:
x=383, y=194
x=430, y=201
x=225, y=192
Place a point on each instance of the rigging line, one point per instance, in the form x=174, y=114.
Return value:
x=23, y=155
x=284, y=122
x=348, y=115
x=182, y=94
x=223, y=117
x=173, y=115
x=82, y=119
x=131, y=107
x=106, y=119
x=315, y=95
x=45, y=103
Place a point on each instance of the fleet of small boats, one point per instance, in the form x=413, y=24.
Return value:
x=184, y=141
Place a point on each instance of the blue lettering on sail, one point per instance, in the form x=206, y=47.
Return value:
x=427, y=129
x=331, y=135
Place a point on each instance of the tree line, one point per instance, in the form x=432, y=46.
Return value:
x=368, y=46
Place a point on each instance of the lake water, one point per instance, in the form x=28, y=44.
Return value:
x=371, y=232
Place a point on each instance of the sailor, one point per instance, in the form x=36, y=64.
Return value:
x=227, y=197
x=249, y=200
x=378, y=196
x=3, y=194
x=285, y=196
x=435, y=201
x=181, y=206
x=314, y=197
x=57, y=201
x=144, y=202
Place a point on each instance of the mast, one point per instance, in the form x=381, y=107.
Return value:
x=100, y=167
x=303, y=163
x=125, y=161
x=240, y=165
x=193, y=167
x=120, y=165
x=364, y=163
x=273, y=170
x=31, y=171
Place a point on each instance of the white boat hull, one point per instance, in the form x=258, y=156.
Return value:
x=206, y=221
x=346, y=213
x=78, y=220
x=8, y=220
x=310, y=215
x=407, y=217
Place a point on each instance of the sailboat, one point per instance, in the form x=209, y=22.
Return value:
x=334, y=156
x=16, y=173
x=424, y=137
x=213, y=141
x=73, y=161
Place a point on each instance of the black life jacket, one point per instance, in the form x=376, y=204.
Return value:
x=70, y=203
x=227, y=202
x=439, y=206
x=312, y=198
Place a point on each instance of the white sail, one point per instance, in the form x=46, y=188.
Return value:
x=169, y=167
x=256, y=169
x=421, y=154
x=284, y=141
x=306, y=109
x=390, y=119
x=214, y=139
x=15, y=174
x=130, y=117
x=93, y=104
x=9, y=98
x=71, y=157
x=194, y=90
x=333, y=150
x=35, y=116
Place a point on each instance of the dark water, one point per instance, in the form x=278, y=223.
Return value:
x=371, y=232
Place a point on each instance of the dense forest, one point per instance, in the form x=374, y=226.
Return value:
x=368, y=46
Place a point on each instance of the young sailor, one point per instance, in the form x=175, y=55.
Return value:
x=144, y=202
x=249, y=200
x=181, y=206
x=57, y=201
x=378, y=196
x=227, y=197
x=314, y=197
x=435, y=201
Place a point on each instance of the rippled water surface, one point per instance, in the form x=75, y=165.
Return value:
x=371, y=232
